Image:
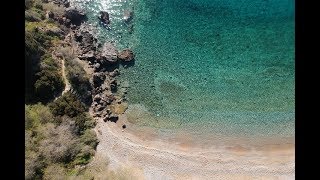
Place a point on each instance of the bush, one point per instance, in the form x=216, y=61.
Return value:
x=33, y=165
x=83, y=122
x=84, y=156
x=68, y=104
x=90, y=138
x=37, y=114
x=49, y=79
x=42, y=73
x=57, y=144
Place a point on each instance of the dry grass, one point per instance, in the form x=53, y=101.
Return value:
x=57, y=11
x=99, y=170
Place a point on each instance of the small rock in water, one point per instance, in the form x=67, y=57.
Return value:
x=126, y=55
x=104, y=17
x=127, y=16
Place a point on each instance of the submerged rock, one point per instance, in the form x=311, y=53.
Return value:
x=126, y=55
x=127, y=16
x=104, y=17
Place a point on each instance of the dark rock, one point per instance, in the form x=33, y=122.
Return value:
x=113, y=85
x=97, y=79
x=114, y=73
x=104, y=17
x=113, y=118
x=97, y=98
x=99, y=107
x=76, y=16
x=126, y=55
x=124, y=126
x=109, y=53
x=89, y=56
x=106, y=118
x=49, y=15
x=86, y=43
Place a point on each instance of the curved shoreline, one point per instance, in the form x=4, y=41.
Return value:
x=156, y=157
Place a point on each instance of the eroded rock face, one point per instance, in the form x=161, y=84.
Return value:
x=76, y=16
x=87, y=43
x=109, y=53
x=126, y=55
x=104, y=17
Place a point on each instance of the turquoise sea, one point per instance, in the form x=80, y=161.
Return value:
x=222, y=66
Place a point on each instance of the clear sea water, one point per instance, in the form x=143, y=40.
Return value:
x=224, y=66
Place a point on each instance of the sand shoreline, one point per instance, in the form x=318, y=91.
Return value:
x=153, y=157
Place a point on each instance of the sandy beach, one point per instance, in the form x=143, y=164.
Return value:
x=178, y=157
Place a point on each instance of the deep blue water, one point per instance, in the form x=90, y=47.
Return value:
x=226, y=65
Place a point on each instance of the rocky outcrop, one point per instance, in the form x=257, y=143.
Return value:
x=126, y=55
x=87, y=44
x=104, y=17
x=109, y=53
x=76, y=16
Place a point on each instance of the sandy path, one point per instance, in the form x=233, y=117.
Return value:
x=159, y=159
x=68, y=86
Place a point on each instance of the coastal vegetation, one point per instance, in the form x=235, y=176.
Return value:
x=59, y=135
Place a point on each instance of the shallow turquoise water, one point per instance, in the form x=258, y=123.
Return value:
x=226, y=65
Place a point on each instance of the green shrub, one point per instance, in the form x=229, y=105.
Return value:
x=37, y=114
x=83, y=122
x=68, y=104
x=90, y=138
x=84, y=156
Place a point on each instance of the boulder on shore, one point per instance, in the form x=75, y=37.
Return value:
x=109, y=53
x=76, y=16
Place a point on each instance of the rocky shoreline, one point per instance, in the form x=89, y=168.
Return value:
x=104, y=59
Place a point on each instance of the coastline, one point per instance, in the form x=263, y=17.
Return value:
x=181, y=158
x=174, y=154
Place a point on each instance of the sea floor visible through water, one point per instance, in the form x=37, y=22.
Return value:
x=207, y=66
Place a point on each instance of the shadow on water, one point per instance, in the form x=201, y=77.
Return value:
x=127, y=64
